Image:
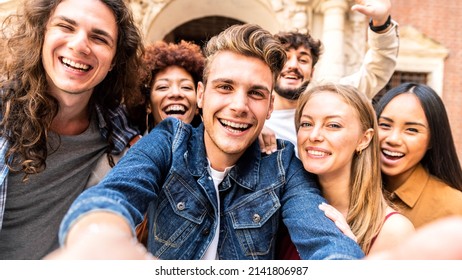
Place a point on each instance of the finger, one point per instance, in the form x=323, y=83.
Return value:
x=363, y=9
x=273, y=145
x=269, y=142
x=262, y=143
x=345, y=229
x=329, y=214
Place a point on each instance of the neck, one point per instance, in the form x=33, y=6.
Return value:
x=281, y=103
x=392, y=183
x=218, y=158
x=73, y=115
x=64, y=124
x=337, y=192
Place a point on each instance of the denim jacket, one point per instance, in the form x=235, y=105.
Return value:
x=167, y=172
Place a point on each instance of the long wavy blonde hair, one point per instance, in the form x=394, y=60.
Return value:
x=367, y=205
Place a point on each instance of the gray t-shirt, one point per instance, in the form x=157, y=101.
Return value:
x=34, y=209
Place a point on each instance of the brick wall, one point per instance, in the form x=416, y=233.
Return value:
x=441, y=21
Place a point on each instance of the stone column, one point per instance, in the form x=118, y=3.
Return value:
x=332, y=60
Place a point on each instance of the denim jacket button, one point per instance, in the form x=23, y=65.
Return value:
x=256, y=218
x=180, y=206
x=206, y=231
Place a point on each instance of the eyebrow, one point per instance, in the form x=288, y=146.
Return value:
x=222, y=80
x=94, y=30
x=406, y=123
x=260, y=87
x=305, y=53
x=232, y=82
x=326, y=117
x=170, y=79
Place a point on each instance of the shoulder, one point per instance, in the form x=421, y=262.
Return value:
x=171, y=130
x=397, y=222
x=395, y=229
x=170, y=125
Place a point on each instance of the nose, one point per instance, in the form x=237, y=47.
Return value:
x=79, y=43
x=239, y=102
x=316, y=134
x=291, y=62
x=175, y=92
x=393, y=137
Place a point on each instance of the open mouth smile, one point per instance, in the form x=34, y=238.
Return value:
x=175, y=109
x=392, y=155
x=75, y=65
x=235, y=127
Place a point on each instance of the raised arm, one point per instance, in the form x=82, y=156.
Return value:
x=380, y=60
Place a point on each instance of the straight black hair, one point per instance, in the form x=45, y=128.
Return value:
x=441, y=158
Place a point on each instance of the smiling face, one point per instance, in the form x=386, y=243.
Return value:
x=173, y=94
x=329, y=135
x=236, y=101
x=297, y=71
x=404, y=137
x=79, y=46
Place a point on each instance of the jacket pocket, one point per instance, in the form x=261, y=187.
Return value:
x=255, y=221
x=180, y=213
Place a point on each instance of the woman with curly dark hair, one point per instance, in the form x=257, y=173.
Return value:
x=65, y=89
x=169, y=78
x=170, y=74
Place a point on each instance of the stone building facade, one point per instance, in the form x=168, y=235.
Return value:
x=430, y=48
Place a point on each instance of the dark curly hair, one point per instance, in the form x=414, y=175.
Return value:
x=27, y=109
x=294, y=40
x=160, y=55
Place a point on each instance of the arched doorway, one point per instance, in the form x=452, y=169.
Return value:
x=200, y=30
x=174, y=14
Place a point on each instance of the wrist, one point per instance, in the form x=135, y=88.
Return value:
x=98, y=224
x=380, y=28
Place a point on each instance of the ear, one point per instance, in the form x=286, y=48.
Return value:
x=200, y=95
x=312, y=72
x=148, y=108
x=112, y=66
x=365, y=140
x=271, y=106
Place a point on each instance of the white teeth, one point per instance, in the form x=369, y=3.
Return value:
x=75, y=64
x=235, y=125
x=316, y=153
x=175, y=108
x=392, y=154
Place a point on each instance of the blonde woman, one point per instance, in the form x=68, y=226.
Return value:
x=337, y=141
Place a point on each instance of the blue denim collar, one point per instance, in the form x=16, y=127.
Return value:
x=245, y=173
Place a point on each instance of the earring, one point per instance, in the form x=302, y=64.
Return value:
x=359, y=151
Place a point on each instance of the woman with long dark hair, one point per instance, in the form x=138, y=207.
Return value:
x=421, y=171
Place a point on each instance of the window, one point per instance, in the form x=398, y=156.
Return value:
x=400, y=77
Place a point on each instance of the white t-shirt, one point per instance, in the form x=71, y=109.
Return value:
x=217, y=176
x=283, y=125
